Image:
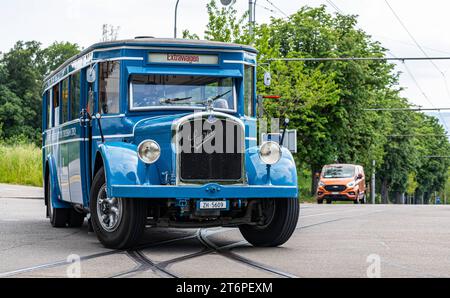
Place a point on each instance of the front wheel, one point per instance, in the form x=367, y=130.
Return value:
x=119, y=223
x=281, y=218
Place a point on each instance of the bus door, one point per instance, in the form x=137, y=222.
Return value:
x=87, y=111
x=75, y=146
x=65, y=138
x=57, y=139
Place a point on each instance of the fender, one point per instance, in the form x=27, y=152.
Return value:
x=123, y=167
x=54, y=183
x=283, y=173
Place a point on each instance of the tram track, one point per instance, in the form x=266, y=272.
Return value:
x=88, y=257
x=161, y=268
x=209, y=247
x=225, y=251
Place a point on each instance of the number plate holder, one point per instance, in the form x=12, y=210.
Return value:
x=213, y=205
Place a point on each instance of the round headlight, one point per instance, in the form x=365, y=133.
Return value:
x=270, y=153
x=149, y=152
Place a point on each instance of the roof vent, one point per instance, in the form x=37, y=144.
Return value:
x=143, y=37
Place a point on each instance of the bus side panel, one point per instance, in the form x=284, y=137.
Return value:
x=56, y=190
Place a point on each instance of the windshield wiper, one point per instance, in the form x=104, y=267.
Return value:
x=173, y=100
x=203, y=102
x=213, y=99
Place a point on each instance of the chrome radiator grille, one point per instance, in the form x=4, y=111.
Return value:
x=211, y=150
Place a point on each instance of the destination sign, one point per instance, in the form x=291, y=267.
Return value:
x=176, y=58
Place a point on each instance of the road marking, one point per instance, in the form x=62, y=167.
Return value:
x=384, y=244
x=328, y=213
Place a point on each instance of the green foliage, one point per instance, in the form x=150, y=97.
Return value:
x=21, y=164
x=225, y=25
x=56, y=54
x=189, y=35
x=22, y=71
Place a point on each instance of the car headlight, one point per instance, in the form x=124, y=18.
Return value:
x=351, y=184
x=270, y=153
x=321, y=184
x=149, y=152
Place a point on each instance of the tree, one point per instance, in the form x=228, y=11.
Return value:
x=56, y=54
x=22, y=71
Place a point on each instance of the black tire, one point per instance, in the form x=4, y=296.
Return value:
x=279, y=230
x=76, y=219
x=320, y=202
x=132, y=224
x=58, y=217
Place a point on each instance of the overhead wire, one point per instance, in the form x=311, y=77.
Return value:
x=426, y=55
x=334, y=6
x=277, y=8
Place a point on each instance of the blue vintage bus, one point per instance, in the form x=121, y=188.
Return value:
x=113, y=117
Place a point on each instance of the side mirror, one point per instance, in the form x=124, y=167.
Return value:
x=360, y=176
x=267, y=79
x=91, y=76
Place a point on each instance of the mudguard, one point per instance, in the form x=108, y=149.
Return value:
x=283, y=173
x=56, y=190
x=123, y=167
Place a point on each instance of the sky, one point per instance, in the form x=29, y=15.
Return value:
x=80, y=21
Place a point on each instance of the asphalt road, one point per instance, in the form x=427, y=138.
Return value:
x=331, y=241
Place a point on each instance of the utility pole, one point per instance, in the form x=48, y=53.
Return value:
x=372, y=185
x=176, y=19
x=251, y=16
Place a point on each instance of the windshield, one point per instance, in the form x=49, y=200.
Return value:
x=155, y=91
x=333, y=172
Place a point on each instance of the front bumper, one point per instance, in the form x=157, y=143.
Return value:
x=350, y=194
x=208, y=191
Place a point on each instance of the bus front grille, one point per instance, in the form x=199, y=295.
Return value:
x=211, y=150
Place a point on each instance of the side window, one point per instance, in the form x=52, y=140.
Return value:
x=55, y=97
x=48, y=122
x=75, y=94
x=249, y=90
x=109, y=87
x=65, y=100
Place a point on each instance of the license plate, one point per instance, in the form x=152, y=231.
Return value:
x=213, y=205
x=334, y=193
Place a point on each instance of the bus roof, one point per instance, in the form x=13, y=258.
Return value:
x=156, y=42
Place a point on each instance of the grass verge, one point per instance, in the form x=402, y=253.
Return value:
x=21, y=164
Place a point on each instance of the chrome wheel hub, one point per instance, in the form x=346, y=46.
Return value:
x=109, y=211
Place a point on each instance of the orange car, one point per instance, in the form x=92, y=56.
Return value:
x=342, y=182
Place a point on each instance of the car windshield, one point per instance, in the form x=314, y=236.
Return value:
x=155, y=91
x=333, y=172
